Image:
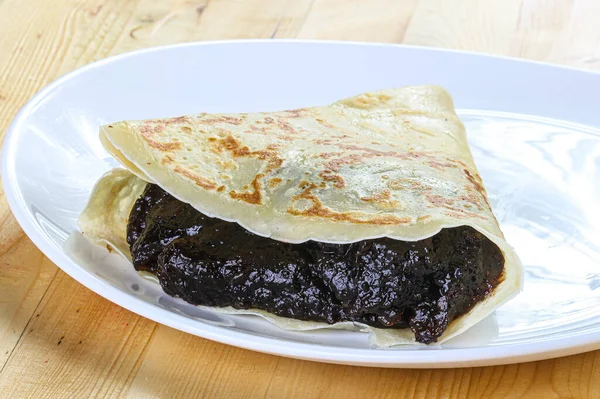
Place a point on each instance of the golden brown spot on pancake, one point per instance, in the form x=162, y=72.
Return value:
x=367, y=100
x=329, y=176
x=336, y=164
x=326, y=155
x=186, y=129
x=460, y=214
x=176, y=120
x=369, y=152
x=269, y=120
x=304, y=184
x=212, y=139
x=294, y=113
x=325, y=123
x=407, y=184
x=166, y=159
x=274, y=182
x=222, y=119
x=382, y=199
x=229, y=143
x=169, y=146
x=199, y=180
x=471, y=199
x=318, y=210
x=286, y=127
x=438, y=200
x=253, y=197
x=222, y=132
x=227, y=164
x=147, y=131
x=410, y=111
x=440, y=165
x=256, y=129
x=362, y=102
x=324, y=141
x=221, y=189
x=422, y=131
x=273, y=162
x=478, y=186
x=164, y=146
x=477, y=183
x=171, y=121
x=424, y=218
x=374, y=128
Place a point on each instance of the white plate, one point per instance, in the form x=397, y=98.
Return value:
x=534, y=131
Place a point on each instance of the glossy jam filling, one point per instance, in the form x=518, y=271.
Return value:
x=384, y=283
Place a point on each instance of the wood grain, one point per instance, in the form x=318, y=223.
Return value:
x=58, y=339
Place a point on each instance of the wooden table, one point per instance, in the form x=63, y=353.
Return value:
x=58, y=339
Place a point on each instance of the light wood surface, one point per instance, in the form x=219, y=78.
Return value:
x=58, y=339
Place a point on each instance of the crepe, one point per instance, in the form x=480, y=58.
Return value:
x=393, y=163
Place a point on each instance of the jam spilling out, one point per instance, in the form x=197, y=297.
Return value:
x=384, y=283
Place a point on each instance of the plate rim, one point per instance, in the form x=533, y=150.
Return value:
x=441, y=358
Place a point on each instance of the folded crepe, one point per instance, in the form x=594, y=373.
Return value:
x=368, y=213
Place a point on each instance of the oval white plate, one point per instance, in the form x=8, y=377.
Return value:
x=534, y=131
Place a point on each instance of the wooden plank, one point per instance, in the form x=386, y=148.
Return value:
x=24, y=277
x=377, y=21
x=478, y=25
x=240, y=373
x=576, y=41
x=178, y=365
x=559, y=31
x=76, y=345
